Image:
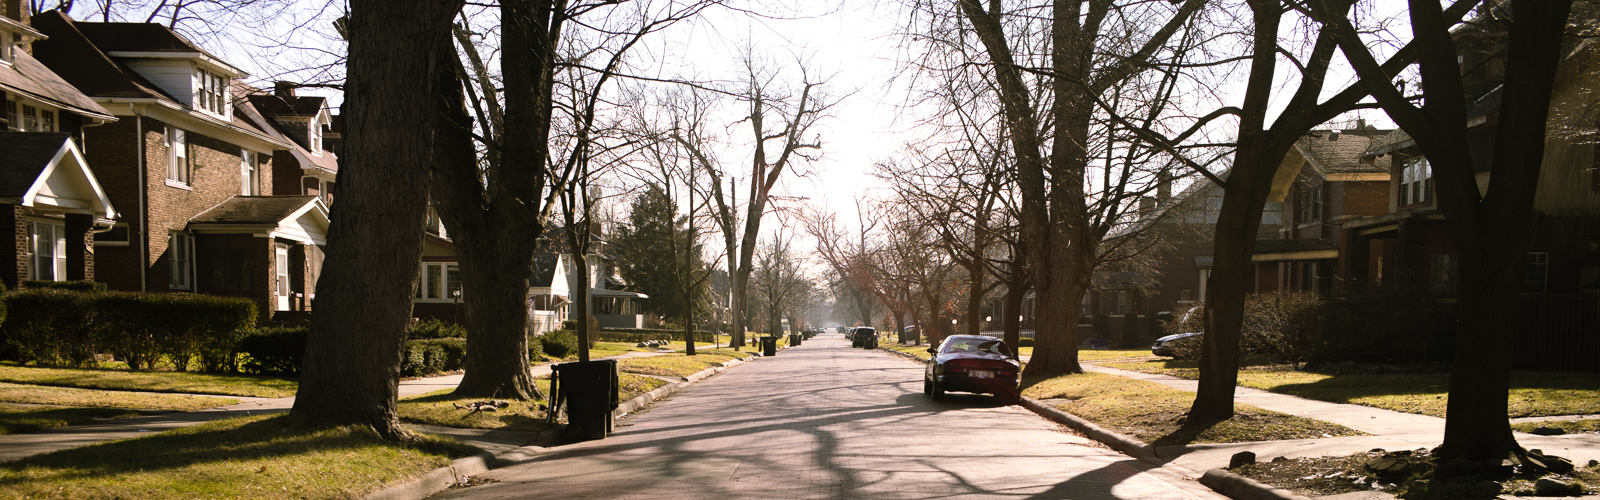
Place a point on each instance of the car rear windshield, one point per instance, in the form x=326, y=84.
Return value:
x=865, y=330
x=978, y=345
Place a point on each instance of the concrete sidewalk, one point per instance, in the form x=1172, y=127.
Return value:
x=1391, y=430
x=15, y=446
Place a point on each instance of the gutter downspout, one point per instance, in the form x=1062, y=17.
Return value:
x=144, y=215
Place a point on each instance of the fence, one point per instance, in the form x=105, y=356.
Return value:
x=1558, y=332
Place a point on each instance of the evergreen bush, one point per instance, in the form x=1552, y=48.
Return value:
x=274, y=351
x=559, y=343
x=73, y=286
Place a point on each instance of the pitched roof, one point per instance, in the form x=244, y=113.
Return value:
x=27, y=155
x=81, y=62
x=138, y=37
x=273, y=104
x=1329, y=153
x=253, y=210
x=30, y=77
x=252, y=115
x=544, y=269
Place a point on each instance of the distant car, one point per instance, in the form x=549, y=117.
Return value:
x=1166, y=346
x=843, y=330
x=972, y=363
x=864, y=337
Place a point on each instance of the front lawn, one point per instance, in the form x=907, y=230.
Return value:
x=1588, y=426
x=1152, y=413
x=24, y=418
x=248, y=457
x=1533, y=394
x=440, y=407
x=919, y=352
x=66, y=396
x=679, y=365
x=151, y=381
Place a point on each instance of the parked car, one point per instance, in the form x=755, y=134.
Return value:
x=1166, y=346
x=972, y=363
x=864, y=337
x=844, y=329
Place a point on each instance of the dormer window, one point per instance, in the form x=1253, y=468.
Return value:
x=211, y=92
x=316, y=137
x=7, y=47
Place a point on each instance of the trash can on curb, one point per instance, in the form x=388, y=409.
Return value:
x=794, y=339
x=769, y=346
x=589, y=391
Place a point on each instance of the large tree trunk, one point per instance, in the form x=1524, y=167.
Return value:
x=351, y=371
x=495, y=264
x=1011, y=315
x=975, y=298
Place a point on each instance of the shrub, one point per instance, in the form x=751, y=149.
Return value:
x=51, y=327
x=72, y=286
x=1101, y=326
x=1393, y=324
x=274, y=350
x=1281, y=323
x=442, y=355
x=559, y=343
x=1130, y=330
x=535, y=349
x=420, y=357
x=139, y=328
x=435, y=329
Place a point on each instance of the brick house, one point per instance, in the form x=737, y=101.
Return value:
x=50, y=197
x=308, y=166
x=187, y=163
x=1324, y=182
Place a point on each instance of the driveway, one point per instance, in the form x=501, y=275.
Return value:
x=826, y=421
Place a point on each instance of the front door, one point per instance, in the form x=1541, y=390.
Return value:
x=282, y=280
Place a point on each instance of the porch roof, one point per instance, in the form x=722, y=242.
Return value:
x=45, y=171
x=1297, y=249
x=299, y=218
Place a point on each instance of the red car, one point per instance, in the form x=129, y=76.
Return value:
x=972, y=363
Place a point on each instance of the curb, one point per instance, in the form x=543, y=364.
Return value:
x=436, y=480
x=1127, y=445
x=443, y=478
x=1243, y=488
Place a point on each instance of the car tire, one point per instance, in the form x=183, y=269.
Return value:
x=927, y=387
x=1009, y=398
x=937, y=392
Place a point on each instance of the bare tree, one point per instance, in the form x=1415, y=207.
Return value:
x=351, y=371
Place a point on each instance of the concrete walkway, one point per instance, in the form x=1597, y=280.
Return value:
x=1391, y=430
x=15, y=446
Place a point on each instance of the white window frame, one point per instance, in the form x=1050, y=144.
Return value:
x=316, y=137
x=30, y=118
x=1414, y=177
x=280, y=271
x=46, y=237
x=211, y=92
x=178, y=166
x=434, y=283
x=180, y=260
x=8, y=48
x=249, y=174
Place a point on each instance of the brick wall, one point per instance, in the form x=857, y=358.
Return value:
x=285, y=173
x=13, y=264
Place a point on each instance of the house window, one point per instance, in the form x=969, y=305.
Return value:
x=211, y=92
x=249, y=178
x=180, y=252
x=281, y=274
x=1414, y=177
x=316, y=138
x=47, y=121
x=177, y=155
x=1537, y=272
x=452, y=284
x=5, y=48
x=430, y=284
x=117, y=236
x=1442, y=274
x=30, y=118
x=11, y=114
x=47, y=252
x=1310, y=205
x=327, y=192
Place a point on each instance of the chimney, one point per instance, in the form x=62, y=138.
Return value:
x=1163, y=187
x=1361, y=123
x=1333, y=136
x=284, y=90
x=15, y=9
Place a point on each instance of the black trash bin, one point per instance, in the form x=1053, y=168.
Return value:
x=769, y=346
x=589, y=392
x=794, y=339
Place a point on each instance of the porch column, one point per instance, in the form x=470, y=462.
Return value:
x=14, y=263
x=80, y=247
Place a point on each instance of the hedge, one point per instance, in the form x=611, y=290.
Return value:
x=631, y=335
x=57, y=327
x=435, y=329
x=559, y=343
x=275, y=351
x=429, y=356
x=75, y=286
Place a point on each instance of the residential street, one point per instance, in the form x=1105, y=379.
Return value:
x=826, y=421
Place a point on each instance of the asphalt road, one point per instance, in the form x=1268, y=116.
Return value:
x=826, y=421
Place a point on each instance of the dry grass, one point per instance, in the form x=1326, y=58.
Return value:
x=66, y=396
x=151, y=381
x=250, y=457
x=679, y=365
x=439, y=408
x=1153, y=413
x=1571, y=426
x=1533, y=394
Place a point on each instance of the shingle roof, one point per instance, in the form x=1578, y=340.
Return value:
x=271, y=104
x=30, y=77
x=79, y=61
x=1344, y=155
x=26, y=156
x=253, y=210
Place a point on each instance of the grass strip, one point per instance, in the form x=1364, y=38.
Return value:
x=440, y=407
x=67, y=396
x=679, y=365
x=151, y=381
x=1099, y=355
x=1152, y=412
x=1571, y=426
x=248, y=457
x=22, y=418
x=918, y=351
x=1533, y=394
